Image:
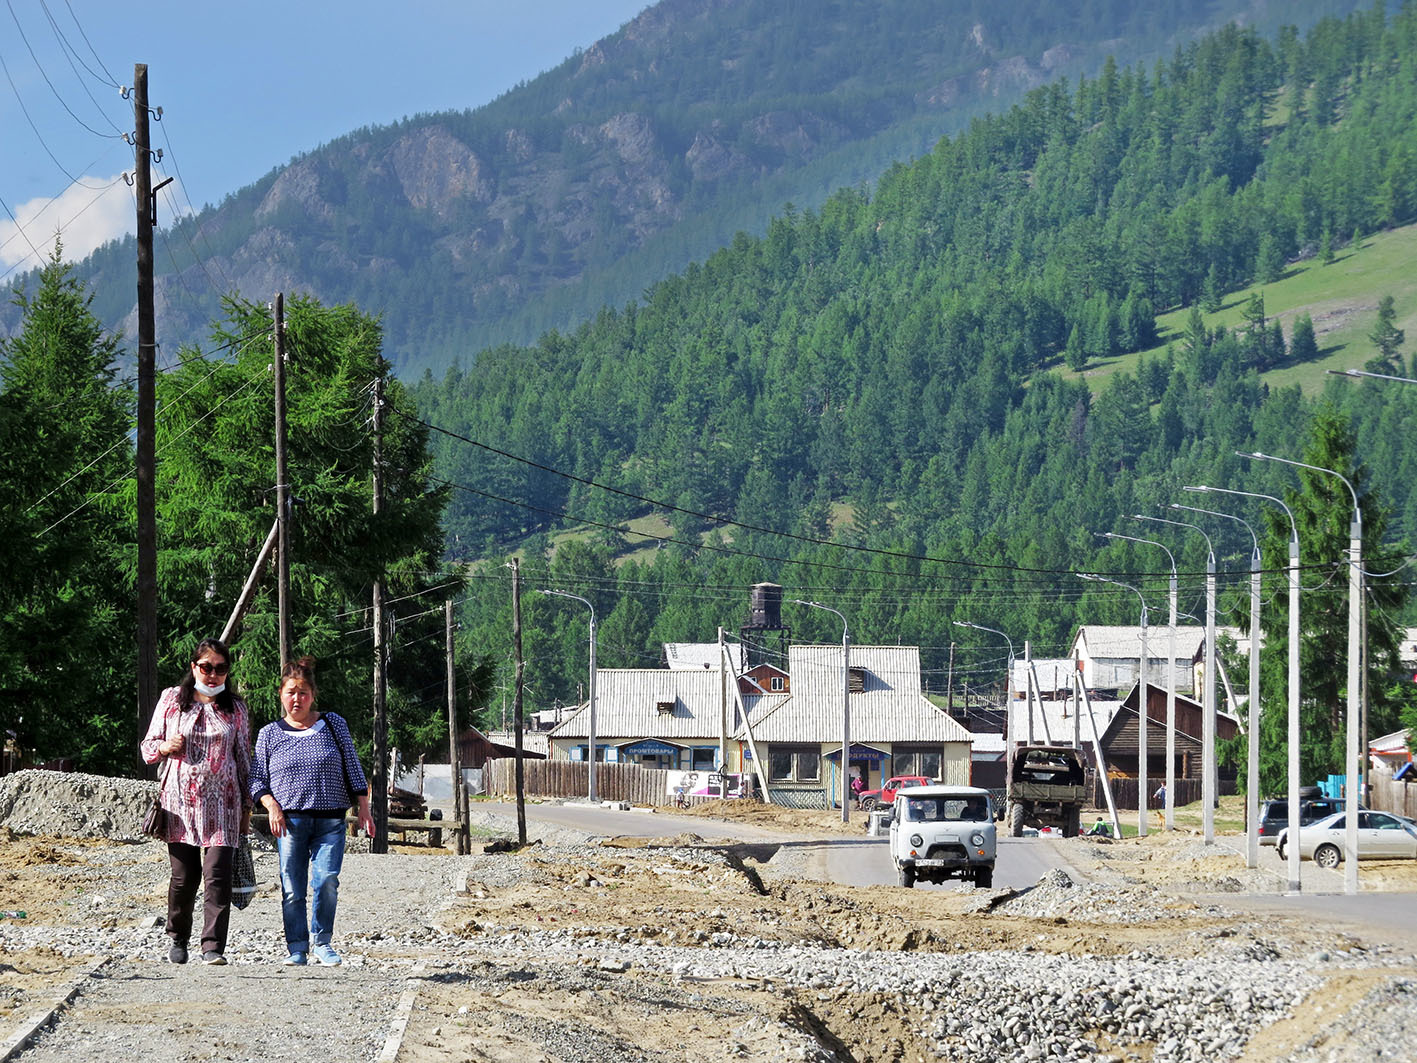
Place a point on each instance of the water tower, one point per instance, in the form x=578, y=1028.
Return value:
x=765, y=638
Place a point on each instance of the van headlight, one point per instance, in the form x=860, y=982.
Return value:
x=976, y=839
x=916, y=841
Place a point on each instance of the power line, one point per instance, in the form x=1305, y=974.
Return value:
x=44, y=74
x=111, y=82
x=38, y=135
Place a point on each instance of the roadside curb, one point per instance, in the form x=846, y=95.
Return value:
x=402, y=1012
x=13, y=1044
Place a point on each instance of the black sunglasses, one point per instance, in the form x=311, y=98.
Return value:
x=213, y=667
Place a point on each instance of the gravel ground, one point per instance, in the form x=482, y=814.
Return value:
x=578, y=949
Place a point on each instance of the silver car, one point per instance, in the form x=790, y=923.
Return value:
x=1381, y=836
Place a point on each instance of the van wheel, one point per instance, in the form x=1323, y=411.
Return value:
x=907, y=877
x=1327, y=856
x=984, y=878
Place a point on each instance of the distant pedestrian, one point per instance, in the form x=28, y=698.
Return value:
x=1159, y=798
x=201, y=734
x=306, y=773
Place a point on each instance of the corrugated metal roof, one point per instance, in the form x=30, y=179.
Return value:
x=1054, y=673
x=1055, y=722
x=1125, y=641
x=627, y=706
x=701, y=656
x=889, y=708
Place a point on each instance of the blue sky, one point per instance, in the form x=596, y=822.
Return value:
x=243, y=87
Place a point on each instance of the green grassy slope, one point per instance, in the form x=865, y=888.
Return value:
x=1341, y=298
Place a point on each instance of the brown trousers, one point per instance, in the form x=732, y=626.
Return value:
x=212, y=868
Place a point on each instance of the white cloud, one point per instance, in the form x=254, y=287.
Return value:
x=85, y=216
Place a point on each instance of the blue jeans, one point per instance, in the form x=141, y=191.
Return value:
x=311, y=851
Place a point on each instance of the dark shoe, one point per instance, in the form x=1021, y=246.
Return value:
x=213, y=959
x=177, y=954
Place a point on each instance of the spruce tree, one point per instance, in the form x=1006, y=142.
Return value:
x=66, y=467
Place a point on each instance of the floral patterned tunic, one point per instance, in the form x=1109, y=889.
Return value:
x=205, y=789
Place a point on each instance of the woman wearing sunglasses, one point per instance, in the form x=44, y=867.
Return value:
x=201, y=735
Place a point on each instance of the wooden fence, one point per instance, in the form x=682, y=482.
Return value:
x=569, y=778
x=1399, y=797
x=1124, y=792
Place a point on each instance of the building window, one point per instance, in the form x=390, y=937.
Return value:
x=664, y=708
x=926, y=761
x=794, y=764
x=702, y=758
x=777, y=683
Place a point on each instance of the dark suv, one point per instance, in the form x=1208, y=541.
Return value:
x=1274, y=814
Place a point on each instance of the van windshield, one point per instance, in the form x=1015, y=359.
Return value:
x=930, y=809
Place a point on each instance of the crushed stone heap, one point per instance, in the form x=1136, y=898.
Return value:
x=74, y=805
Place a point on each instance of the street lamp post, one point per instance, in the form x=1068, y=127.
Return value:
x=1363, y=373
x=1252, y=759
x=1141, y=703
x=592, y=792
x=1009, y=691
x=1170, y=812
x=1208, y=769
x=845, y=706
x=1355, y=677
x=1293, y=685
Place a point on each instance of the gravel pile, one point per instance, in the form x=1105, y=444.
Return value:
x=74, y=805
x=1056, y=895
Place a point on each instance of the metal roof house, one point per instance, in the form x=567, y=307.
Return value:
x=677, y=718
x=894, y=728
x=1111, y=655
x=656, y=717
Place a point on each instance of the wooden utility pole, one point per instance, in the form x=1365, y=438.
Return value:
x=517, y=697
x=460, y=839
x=282, y=484
x=950, y=685
x=146, y=413
x=379, y=798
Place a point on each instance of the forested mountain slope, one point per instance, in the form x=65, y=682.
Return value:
x=891, y=357
x=646, y=151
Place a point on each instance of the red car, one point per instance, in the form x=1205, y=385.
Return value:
x=886, y=794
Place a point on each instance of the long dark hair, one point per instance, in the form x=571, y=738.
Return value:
x=226, y=700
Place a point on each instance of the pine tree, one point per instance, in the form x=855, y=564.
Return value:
x=1075, y=354
x=1303, y=347
x=1387, y=338
x=1323, y=509
x=216, y=506
x=66, y=603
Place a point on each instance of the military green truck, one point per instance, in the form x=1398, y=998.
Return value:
x=1047, y=787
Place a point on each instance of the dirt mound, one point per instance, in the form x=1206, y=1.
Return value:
x=74, y=805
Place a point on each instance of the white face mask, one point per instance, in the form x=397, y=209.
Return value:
x=210, y=692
